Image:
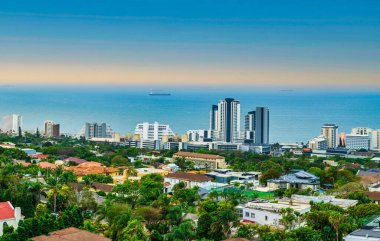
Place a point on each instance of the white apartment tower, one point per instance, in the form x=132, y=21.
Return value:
x=330, y=132
x=153, y=131
x=227, y=124
x=375, y=140
x=12, y=123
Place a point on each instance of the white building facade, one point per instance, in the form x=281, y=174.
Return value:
x=12, y=123
x=9, y=216
x=318, y=143
x=375, y=140
x=357, y=142
x=228, y=120
x=153, y=131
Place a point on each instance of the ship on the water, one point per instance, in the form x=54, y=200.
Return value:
x=158, y=93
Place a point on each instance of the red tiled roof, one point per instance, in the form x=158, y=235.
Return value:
x=74, y=159
x=198, y=155
x=71, y=234
x=46, y=165
x=42, y=156
x=374, y=196
x=6, y=210
x=188, y=177
x=91, y=168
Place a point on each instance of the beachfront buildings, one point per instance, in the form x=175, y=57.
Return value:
x=249, y=126
x=357, y=142
x=225, y=120
x=206, y=161
x=318, y=143
x=262, y=126
x=297, y=179
x=9, y=216
x=375, y=140
x=96, y=130
x=197, y=135
x=51, y=129
x=153, y=131
x=330, y=132
x=12, y=123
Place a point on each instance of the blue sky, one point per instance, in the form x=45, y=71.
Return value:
x=200, y=42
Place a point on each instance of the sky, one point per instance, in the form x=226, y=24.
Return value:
x=285, y=43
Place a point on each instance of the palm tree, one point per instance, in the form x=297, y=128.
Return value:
x=54, y=184
x=335, y=219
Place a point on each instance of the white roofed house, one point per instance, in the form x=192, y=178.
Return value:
x=297, y=179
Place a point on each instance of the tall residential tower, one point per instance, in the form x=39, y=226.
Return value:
x=227, y=124
x=262, y=125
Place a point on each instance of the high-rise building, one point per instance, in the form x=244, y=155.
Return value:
x=262, y=125
x=198, y=135
x=375, y=140
x=213, y=121
x=12, y=123
x=97, y=130
x=51, y=129
x=250, y=121
x=342, y=140
x=249, y=126
x=228, y=120
x=330, y=131
x=153, y=131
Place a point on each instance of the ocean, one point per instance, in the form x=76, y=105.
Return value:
x=295, y=115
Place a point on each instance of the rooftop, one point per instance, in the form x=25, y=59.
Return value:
x=343, y=203
x=6, y=211
x=71, y=234
x=188, y=177
x=370, y=230
x=275, y=207
x=297, y=177
x=74, y=159
x=198, y=155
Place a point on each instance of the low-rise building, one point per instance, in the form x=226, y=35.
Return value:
x=190, y=179
x=267, y=213
x=318, y=143
x=86, y=168
x=297, y=179
x=302, y=199
x=228, y=176
x=206, y=161
x=357, y=142
x=71, y=234
x=369, y=232
x=9, y=216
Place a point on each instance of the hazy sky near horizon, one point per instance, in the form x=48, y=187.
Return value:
x=183, y=42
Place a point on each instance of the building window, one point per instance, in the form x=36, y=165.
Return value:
x=247, y=214
x=252, y=215
x=266, y=218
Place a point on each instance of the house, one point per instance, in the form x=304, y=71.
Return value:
x=75, y=160
x=267, y=213
x=297, y=179
x=86, y=168
x=71, y=234
x=206, y=161
x=107, y=188
x=228, y=176
x=190, y=179
x=369, y=232
x=302, y=199
x=374, y=196
x=45, y=165
x=9, y=216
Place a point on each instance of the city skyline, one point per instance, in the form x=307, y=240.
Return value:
x=297, y=44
